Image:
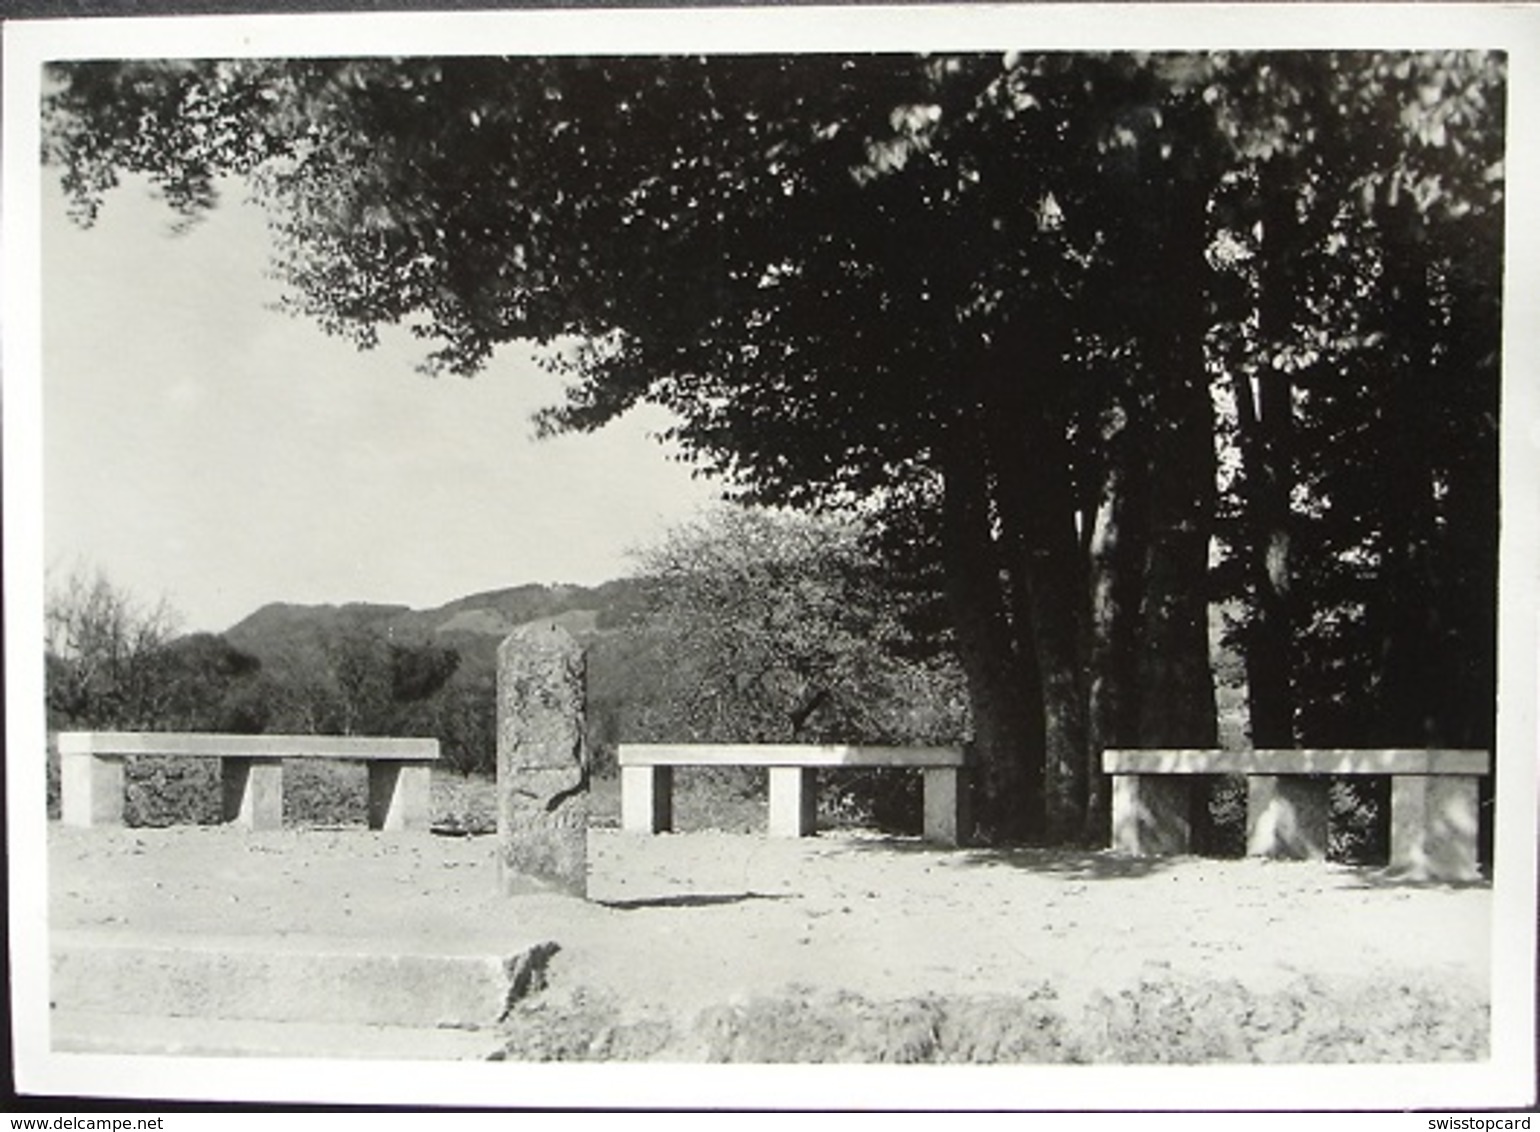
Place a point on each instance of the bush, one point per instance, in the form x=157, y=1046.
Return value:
x=163, y=790
x=889, y=800
x=1359, y=817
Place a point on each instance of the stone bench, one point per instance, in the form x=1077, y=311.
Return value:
x=646, y=782
x=251, y=770
x=1433, y=802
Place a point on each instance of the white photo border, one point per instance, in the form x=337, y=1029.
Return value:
x=1507, y=1079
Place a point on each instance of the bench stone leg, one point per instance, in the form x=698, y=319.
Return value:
x=1433, y=825
x=400, y=796
x=90, y=790
x=1286, y=816
x=793, y=801
x=253, y=792
x=647, y=799
x=1151, y=814
x=947, y=815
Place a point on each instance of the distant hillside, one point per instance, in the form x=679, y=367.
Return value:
x=283, y=635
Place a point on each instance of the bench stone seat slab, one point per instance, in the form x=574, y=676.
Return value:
x=1310, y=761
x=785, y=754
x=213, y=745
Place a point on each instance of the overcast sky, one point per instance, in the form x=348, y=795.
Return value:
x=205, y=449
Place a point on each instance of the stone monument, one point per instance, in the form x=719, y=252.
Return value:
x=542, y=766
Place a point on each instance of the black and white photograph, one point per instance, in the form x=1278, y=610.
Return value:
x=943, y=557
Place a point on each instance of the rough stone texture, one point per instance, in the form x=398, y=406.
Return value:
x=1152, y=814
x=542, y=768
x=1286, y=816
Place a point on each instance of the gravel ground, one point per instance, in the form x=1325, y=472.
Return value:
x=691, y=941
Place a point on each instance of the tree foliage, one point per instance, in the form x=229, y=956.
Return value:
x=771, y=627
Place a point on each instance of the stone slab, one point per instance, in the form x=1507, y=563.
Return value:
x=216, y=745
x=74, y=1031
x=784, y=754
x=1303, y=761
x=267, y=979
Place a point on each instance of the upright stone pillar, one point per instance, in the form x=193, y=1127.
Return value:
x=91, y=786
x=1152, y=814
x=1434, y=820
x=1286, y=816
x=542, y=771
x=793, y=801
x=253, y=792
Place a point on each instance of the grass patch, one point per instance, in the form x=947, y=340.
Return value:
x=581, y=1027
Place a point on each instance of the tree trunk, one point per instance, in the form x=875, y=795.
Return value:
x=1002, y=684
x=1176, y=703
x=1414, y=676
x=1036, y=515
x=1116, y=555
x=1021, y=388
x=1265, y=414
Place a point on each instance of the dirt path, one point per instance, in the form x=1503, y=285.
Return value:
x=680, y=923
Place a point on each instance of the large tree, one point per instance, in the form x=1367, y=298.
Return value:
x=985, y=299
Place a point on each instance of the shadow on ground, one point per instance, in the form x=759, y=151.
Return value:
x=1105, y=864
x=691, y=900
x=1368, y=877
x=1075, y=864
